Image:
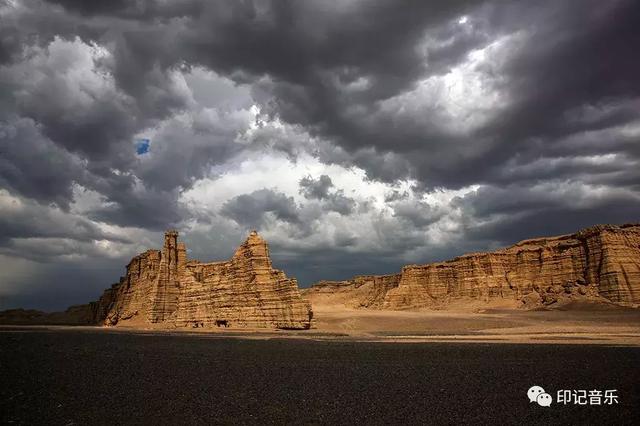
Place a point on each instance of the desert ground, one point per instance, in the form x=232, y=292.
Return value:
x=72, y=376
x=463, y=365
x=573, y=323
x=470, y=322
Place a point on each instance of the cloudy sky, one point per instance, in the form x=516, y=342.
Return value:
x=356, y=136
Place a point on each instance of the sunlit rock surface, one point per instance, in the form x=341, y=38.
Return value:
x=165, y=288
x=598, y=263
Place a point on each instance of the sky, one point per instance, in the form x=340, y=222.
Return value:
x=355, y=136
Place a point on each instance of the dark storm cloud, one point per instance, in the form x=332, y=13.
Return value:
x=331, y=265
x=320, y=189
x=136, y=10
x=115, y=7
x=340, y=203
x=147, y=208
x=67, y=92
x=183, y=152
x=49, y=250
x=310, y=51
x=316, y=188
x=537, y=104
x=571, y=89
x=490, y=201
x=573, y=55
x=420, y=214
x=509, y=229
x=250, y=209
x=505, y=215
x=575, y=59
x=87, y=109
x=55, y=80
x=27, y=219
x=57, y=285
x=332, y=47
x=23, y=146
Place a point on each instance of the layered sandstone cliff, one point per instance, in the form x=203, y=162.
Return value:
x=245, y=290
x=599, y=263
x=165, y=288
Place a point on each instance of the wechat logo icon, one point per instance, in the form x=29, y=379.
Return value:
x=537, y=394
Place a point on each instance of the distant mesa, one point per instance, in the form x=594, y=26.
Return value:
x=165, y=288
x=600, y=264
x=597, y=264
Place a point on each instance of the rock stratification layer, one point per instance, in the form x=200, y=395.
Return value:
x=164, y=287
x=600, y=263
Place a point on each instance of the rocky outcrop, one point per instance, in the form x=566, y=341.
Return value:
x=599, y=263
x=363, y=291
x=165, y=288
x=244, y=291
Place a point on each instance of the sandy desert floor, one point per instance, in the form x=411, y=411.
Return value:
x=583, y=323
x=579, y=323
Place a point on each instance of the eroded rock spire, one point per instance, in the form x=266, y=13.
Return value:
x=163, y=287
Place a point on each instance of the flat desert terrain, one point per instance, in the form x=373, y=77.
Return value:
x=575, y=323
x=75, y=376
x=468, y=364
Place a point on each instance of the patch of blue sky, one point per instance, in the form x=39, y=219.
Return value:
x=142, y=146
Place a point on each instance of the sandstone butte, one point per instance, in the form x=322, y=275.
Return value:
x=164, y=288
x=601, y=263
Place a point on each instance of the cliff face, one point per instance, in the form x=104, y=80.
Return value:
x=245, y=290
x=363, y=291
x=602, y=262
x=164, y=287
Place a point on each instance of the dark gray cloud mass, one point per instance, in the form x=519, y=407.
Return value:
x=251, y=209
x=484, y=121
x=320, y=189
x=316, y=188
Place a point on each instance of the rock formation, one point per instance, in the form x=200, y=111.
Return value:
x=599, y=263
x=165, y=288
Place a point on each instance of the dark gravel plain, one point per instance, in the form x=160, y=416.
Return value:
x=85, y=377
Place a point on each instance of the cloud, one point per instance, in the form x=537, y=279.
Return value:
x=319, y=189
x=32, y=165
x=418, y=213
x=64, y=89
x=339, y=203
x=23, y=218
x=356, y=137
x=251, y=209
x=508, y=214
